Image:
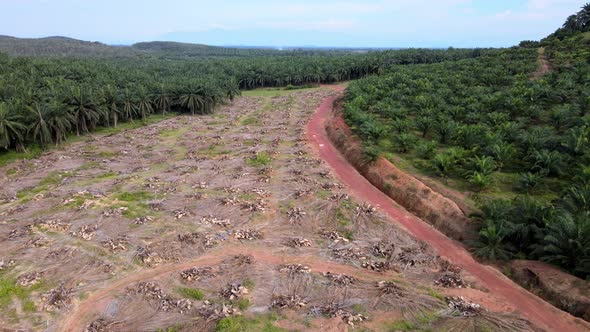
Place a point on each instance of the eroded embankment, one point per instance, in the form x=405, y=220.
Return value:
x=562, y=289
x=406, y=190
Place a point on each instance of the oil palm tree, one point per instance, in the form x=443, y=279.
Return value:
x=491, y=243
x=128, y=102
x=11, y=127
x=163, y=98
x=232, y=89
x=567, y=242
x=39, y=128
x=59, y=120
x=144, y=103
x=84, y=108
x=577, y=199
x=583, y=17
x=191, y=98
x=112, y=100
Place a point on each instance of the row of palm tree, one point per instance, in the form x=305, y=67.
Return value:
x=80, y=110
x=45, y=99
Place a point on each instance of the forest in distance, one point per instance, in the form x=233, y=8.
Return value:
x=478, y=117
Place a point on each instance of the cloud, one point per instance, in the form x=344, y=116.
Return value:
x=383, y=22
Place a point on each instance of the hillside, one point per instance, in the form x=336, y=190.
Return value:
x=60, y=46
x=69, y=47
x=192, y=50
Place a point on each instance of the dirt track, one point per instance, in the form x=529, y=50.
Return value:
x=544, y=67
x=77, y=320
x=530, y=306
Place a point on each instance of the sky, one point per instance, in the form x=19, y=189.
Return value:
x=330, y=23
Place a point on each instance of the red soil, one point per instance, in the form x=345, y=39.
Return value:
x=530, y=306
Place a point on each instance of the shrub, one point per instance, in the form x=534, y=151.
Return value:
x=479, y=180
x=259, y=160
x=404, y=142
x=529, y=181
x=191, y=293
x=425, y=150
x=370, y=153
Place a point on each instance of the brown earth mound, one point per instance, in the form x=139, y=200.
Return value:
x=405, y=189
x=564, y=290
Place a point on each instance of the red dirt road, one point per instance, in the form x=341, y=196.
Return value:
x=531, y=307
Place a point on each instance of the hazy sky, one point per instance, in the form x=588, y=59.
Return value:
x=378, y=23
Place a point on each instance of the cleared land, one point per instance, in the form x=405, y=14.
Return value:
x=192, y=221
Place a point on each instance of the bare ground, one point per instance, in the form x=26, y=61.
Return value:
x=544, y=67
x=103, y=234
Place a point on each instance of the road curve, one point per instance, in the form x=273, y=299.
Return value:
x=533, y=308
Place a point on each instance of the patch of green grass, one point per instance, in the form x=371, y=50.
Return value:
x=107, y=175
x=154, y=118
x=244, y=324
x=88, y=165
x=323, y=194
x=9, y=289
x=420, y=322
x=107, y=154
x=215, y=150
x=83, y=296
x=11, y=171
x=243, y=304
x=135, y=210
x=435, y=294
x=53, y=178
x=248, y=283
x=10, y=156
x=250, y=121
x=173, y=328
x=402, y=325
x=29, y=306
x=342, y=219
x=79, y=200
x=173, y=133
x=191, y=293
x=348, y=234
x=134, y=202
x=247, y=197
x=136, y=196
x=358, y=309
x=272, y=92
x=286, y=205
x=261, y=159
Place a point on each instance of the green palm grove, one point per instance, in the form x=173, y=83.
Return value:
x=45, y=99
x=489, y=125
